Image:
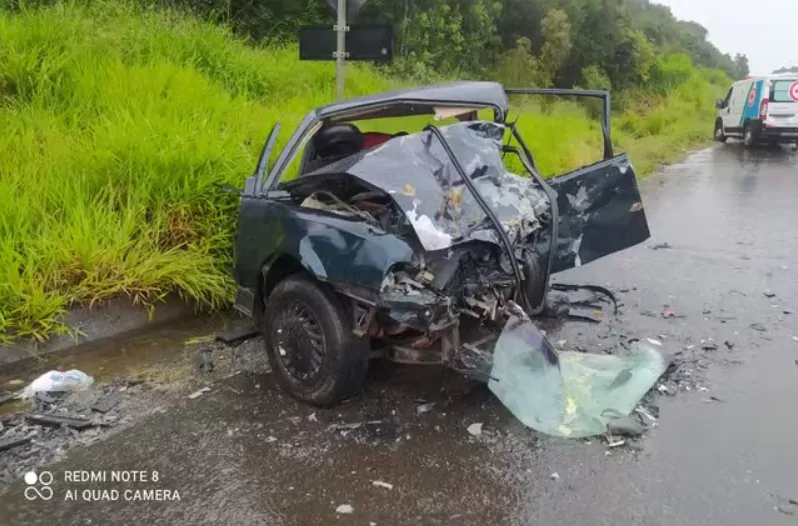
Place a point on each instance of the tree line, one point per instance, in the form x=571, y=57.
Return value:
x=616, y=44
x=563, y=43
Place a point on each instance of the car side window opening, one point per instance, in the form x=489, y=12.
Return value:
x=728, y=98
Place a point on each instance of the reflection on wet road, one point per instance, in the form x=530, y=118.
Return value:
x=245, y=454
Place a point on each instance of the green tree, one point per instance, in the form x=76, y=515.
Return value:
x=519, y=67
x=556, y=32
x=741, y=67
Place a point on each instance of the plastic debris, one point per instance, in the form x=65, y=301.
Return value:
x=646, y=413
x=13, y=442
x=654, y=342
x=197, y=394
x=344, y=508
x=758, y=327
x=75, y=422
x=625, y=426
x=381, y=484
x=769, y=294
x=106, y=403
x=424, y=408
x=617, y=443
x=660, y=246
x=237, y=335
x=312, y=418
x=554, y=476
x=58, y=381
x=475, y=429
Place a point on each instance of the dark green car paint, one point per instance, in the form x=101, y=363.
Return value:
x=331, y=248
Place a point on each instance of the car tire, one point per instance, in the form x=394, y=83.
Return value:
x=719, y=135
x=749, y=138
x=314, y=354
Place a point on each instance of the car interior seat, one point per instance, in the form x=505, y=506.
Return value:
x=336, y=141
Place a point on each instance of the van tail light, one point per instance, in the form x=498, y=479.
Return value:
x=763, y=110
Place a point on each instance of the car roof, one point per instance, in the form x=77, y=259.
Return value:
x=419, y=101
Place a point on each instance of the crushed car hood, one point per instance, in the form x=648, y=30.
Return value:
x=421, y=178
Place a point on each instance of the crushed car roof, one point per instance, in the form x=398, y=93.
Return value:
x=400, y=102
x=417, y=173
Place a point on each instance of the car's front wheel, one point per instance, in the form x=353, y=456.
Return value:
x=310, y=344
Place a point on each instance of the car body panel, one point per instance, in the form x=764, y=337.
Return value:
x=601, y=212
x=331, y=248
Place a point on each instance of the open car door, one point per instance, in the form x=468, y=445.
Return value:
x=599, y=206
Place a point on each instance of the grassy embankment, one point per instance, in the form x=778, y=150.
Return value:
x=117, y=122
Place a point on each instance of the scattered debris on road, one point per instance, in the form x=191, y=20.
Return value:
x=758, y=327
x=57, y=382
x=198, y=393
x=49, y=424
x=660, y=246
x=13, y=442
x=75, y=422
x=572, y=394
x=203, y=361
x=554, y=476
x=366, y=431
x=475, y=429
x=424, y=408
x=344, y=509
x=381, y=484
x=785, y=505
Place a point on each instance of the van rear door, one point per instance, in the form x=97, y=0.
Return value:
x=783, y=103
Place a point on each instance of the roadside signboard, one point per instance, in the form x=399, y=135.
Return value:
x=363, y=42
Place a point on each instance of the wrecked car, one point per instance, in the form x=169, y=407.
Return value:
x=415, y=246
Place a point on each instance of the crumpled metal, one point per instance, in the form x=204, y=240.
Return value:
x=418, y=174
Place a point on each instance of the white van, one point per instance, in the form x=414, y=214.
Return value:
x=760, y=109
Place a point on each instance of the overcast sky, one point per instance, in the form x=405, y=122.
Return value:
x=765, y=30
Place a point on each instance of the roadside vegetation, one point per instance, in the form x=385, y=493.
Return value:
x=119, y=119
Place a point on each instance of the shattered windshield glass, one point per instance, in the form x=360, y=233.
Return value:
x=569, y=393
x=416, y=171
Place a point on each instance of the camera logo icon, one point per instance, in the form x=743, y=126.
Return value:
x=38, y=485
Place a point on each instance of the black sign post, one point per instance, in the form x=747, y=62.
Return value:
x=364, y=42
x=344, y=42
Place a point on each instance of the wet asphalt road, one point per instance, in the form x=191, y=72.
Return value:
x=245, y=454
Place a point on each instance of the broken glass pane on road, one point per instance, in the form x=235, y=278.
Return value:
x=570, y=394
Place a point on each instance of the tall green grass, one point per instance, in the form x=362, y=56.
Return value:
x=117, y=121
